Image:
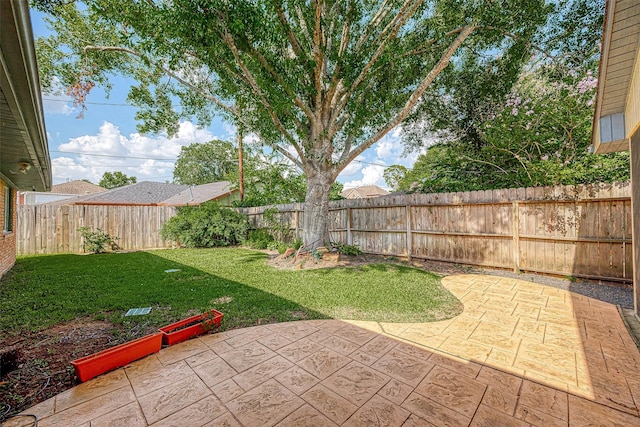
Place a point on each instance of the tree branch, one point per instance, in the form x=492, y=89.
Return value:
x=404, y=14
x=289, y=156
x=415, y=96
x=317, y=54
x=256, y=89
x=293, y=40
x=167, y=71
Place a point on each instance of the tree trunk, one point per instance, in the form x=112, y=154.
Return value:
x=315, y=220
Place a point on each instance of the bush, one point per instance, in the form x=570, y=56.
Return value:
x=349, y=250
x=206, y=226
x=259, y=239
x=96, y=241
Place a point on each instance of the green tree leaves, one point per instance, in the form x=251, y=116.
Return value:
x=116, y=179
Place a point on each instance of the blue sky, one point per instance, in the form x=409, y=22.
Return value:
x=106, y=139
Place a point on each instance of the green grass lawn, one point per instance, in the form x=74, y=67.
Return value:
x=45, y=290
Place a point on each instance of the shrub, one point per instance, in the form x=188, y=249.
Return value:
x=350, y=250
x=205, y=226
x=96, y=241
x=259, y=239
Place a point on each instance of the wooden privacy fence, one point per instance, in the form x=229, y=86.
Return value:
x=579, y=231
x=52, y=229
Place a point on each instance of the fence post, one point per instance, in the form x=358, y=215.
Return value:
x=409, y=236
x=516, y=236
x=349, y=237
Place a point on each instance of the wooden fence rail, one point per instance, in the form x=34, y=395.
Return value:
x=579, y=231
x=52, y=229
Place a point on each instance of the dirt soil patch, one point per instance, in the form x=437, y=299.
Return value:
x=36, y=366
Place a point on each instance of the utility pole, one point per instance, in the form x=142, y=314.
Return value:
x=240, y=171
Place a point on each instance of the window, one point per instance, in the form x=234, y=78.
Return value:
x=8, y=210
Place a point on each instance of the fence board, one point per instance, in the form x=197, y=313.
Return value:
x=581, y=231
x=51, y=229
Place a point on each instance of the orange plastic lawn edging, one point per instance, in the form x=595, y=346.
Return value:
x=115, y=357
x=190, y=327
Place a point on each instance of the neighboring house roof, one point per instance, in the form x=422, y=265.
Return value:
x=141, y=193
x=25, y=163
x=77, y=187
x=617, y=111
x=200, y=194
x=364, y=192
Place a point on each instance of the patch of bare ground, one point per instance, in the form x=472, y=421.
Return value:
x=37, y=366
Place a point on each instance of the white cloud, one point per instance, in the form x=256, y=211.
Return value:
x=134, y=155
x=371, y=175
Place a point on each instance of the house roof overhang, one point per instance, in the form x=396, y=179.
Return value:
x=617, y=110
x=24, y=154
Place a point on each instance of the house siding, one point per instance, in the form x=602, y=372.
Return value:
x=8, y=240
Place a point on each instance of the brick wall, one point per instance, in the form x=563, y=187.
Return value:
x=7, y=240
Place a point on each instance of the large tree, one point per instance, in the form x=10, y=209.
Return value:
x=320, y=81
x=116, y=179
x=202, y=163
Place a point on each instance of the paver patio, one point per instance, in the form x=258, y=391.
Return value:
x=520, y=354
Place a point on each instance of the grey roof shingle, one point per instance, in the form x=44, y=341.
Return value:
x=77, y=187
x=200, y=194
x=141, y=193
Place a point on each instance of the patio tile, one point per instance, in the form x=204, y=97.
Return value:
x=159, y=378
x=538, y=418
x=340, y=345
x=319, y=336
x=129, y=415
x=356, y=382
x=297, y=379
x=90, y=390
x=323, y=363
x=396, y=391
x=413, y=350
x=300, y=349
x=172, y=398
x=584, y=412
x=226, y=420
x=378, y=412
x=294, y=330
x=306, y=416
x=545, y=399
x=143, y=366
x=41, y=410
x=250, y=355
x=403, y=367
x=456, y=364
x=502, y=389
x=214, y=371
x=84, y=412
x=503, y=360
x=220, y=347
x=332, y=405
x=415, y=421
x=495, y=337
x=265, y=405
x=227, y=390
x=266, y=370
x=197, y=414
x=249, y=336
x=200, y=358
x=355, y=334
x=434, y=412
x=181, y=351
x=332, y=326
x=475, y=351
x=490, y=417
x=453, y=390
